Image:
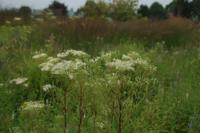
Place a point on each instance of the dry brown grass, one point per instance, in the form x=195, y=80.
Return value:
x=173, y=30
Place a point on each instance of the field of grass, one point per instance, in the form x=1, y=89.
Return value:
x=95, y=76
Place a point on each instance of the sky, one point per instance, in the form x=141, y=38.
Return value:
x=40, y=4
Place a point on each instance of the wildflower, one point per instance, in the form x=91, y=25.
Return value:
x=73, y=53
x=51, y=61
x=134, y=55
x=95, y=60
x=71, y=76
x=121, y=65
x=47, y=87
x=141, y=61
x=40, y=20
x=25, y=85
x=18, y=81
x=107, y=56
x=46, y=66
x=38, y=56
x=65, y=67
x=187, y=95
x=17, y=19
x=16, y=129
x=32, y=105
x=126, y=57
x=100, y=124
x=8, y=22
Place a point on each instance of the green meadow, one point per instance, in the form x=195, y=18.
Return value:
x=96, y=76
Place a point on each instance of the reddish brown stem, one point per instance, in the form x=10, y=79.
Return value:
x=65, y=111
x=81, y=112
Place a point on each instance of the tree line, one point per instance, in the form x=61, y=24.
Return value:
x=181, y=8
x=122, y=10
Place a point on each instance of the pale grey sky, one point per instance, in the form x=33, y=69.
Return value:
x=40, y=4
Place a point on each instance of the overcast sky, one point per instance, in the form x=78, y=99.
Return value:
x=40, y=4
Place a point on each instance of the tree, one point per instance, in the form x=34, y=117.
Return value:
x=196, y=9
x=157, y=11
x=119, y=10
x=144, y=11
x=89, y=9
x=123, y=10
x=25, y=12
x=181, y=8
x=59, y=9
x=92, y=9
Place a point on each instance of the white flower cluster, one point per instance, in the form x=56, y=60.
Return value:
x=40, y=55
x=19, y=81
x=17, y=19
x=59, y=66
x=73, y=53
x=1, y=84
x=33, y=105
x=47, y=87
x=51, y=61
x=106, y=56
x=62, y=65
x=128, y=62
x=121, y=65
x=66, y=67
x=100, y=125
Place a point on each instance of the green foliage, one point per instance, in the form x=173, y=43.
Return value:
x=122, y=10
x=185, y=8
x=59, y=9
x=25, y=12
x=92, y=9
x=143, y=11
x=157, y=11
x=45, y=87
x=196, y=8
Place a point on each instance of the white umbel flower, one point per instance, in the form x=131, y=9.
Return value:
x=1, y=84
x=33, y=105
x=53, y=60
x=121, y=65
x=17, y=19
x=39, y=56
x=47, y=87
x=46, y=66
x=73, y=53
x=18, y=81
x=100, y=125
x=65, y=67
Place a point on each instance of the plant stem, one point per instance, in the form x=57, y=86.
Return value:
x=120, y=100
x=65, y=111
x=120, y=116
x=81, y=112
x=94, y=121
